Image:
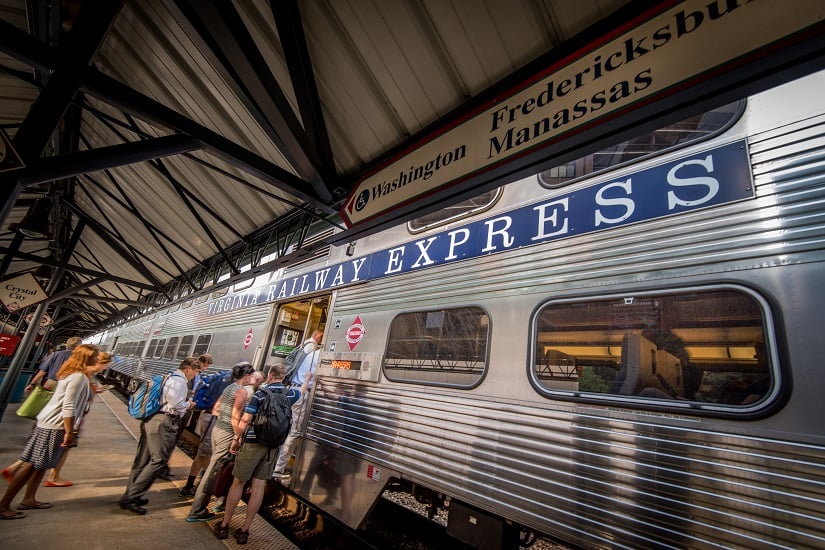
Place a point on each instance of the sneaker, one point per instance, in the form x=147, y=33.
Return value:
x=241, y=536
x=203, y=516
x=219, y=506
x=187, y=492
x=222, y=532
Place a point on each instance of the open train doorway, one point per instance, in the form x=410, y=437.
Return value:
x=294, y=323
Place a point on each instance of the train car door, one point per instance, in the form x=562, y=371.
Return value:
x=294, y=323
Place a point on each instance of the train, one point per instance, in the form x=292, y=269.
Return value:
x=618, y=352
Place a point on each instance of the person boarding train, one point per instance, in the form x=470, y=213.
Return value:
x=158, y=434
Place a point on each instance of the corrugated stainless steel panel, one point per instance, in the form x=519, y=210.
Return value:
x=602, y=477
x=622, y=484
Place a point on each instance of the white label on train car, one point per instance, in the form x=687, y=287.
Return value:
x=702, y=180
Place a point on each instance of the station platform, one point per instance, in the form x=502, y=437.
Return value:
x=86, y=515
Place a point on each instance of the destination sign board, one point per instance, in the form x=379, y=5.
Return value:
x=673, y=47
x=21, y=291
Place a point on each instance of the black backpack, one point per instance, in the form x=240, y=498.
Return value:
x=273, y=419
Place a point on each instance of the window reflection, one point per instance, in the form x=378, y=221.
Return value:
x=706, y=347
x=670, y=137
x=445, y=346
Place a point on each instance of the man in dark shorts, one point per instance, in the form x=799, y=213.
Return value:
x=254, y=461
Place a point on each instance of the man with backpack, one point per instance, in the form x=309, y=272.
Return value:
x=158, y=433
x=303, y=373
x=263, y=427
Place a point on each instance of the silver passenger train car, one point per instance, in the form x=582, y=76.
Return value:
x=619, y=352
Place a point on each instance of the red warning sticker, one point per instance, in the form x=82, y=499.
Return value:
x=355, y=333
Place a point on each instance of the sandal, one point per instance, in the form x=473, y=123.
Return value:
x=58, y=483
x=222, y=532
x=241, y=536
x=35, y=506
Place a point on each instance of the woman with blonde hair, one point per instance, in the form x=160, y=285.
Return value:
x=54, y=432
x=104, y=358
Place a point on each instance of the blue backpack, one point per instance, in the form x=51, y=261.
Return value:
x=148, y=398
x=210, y=389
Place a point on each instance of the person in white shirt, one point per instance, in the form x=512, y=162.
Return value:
x=305, y=372
x=54, y=432
x=158, y=434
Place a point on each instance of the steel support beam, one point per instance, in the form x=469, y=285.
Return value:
x=82, y=43
x=83, y=162
x=217, y=28
x=293, y=41
x=81, y=270
x=107, y=299
x=23, y=47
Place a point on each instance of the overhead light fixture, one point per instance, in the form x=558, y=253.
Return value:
x=35, y=224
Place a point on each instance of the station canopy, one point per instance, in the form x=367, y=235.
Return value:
x=159, y=150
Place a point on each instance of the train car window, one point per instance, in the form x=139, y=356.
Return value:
x=463, y=209
x=160, y=348
x=186, y=304
x=139, y=349
x=185, y=346
x=171, y=347
x=670, y=137
x=701, y=349
x=202, y=345
x=443, y=347
x=201, y=299
x=219, y=293
x=153, y=345
x=243, y=285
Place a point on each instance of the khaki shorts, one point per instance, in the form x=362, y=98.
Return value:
x=256, y=461
x=204, y=430
x=50, y=384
